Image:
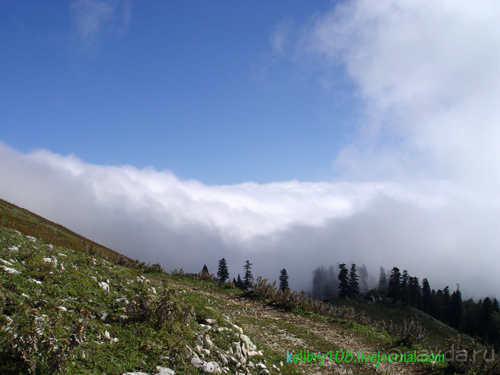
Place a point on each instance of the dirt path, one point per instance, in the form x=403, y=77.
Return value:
x=280, y=331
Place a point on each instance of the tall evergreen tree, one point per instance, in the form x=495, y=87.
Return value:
x=353, y=282
x=343, y=281
x=222, y=273
x=405, y=288
x=415, y=293
x=426, y=296
x=239, y=283
x=394, y=288
x=456, y=311
x=248, y=278
x=363, y=279
x=382, y=280
x=446, y=305
x=319, y=283
x=204, y=272
x=496, y=306
x=283, y=280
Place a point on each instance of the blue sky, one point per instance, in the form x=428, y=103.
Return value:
x=294, y=134
x=199, y=88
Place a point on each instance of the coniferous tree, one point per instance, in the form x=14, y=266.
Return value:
x=382, y=281
x=487, y=318
x=363, y=279
x=204, y=272
x=496, y=306
x=456, y=309
x=353, y=291
x=446, y=305
x=394, y=288
x=222, y=273
x=283, y=280
x=405, y=286
x=426, y=296
x=325, y=284
x=239, y=283
x=248, y=278
x=415, y=293
x=319, y=283
x=343, y=281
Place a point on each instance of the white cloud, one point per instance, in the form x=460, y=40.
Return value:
x=429, y=75
x=94, y=20
x=280, y=37
x=437, y=230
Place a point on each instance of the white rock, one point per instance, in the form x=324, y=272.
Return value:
x=61, y=255
x=104, y=285
x=165, y=371
x=237, y=350
x=250, y=345
x=47, y=260
x=13, y=248
x=211, y=321
x=61, y=308
x=134, y=373
x=261, y=366
x=12, y=271
x=244, y=352
x=197, y=362
x=5, y=262
x=208, y=342
x=211, y=367
x=223, y=358
x=107, y=336
x=31, y=238
x=237, y=328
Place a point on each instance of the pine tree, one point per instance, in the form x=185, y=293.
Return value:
x=446, y=305
x=344, y=282
x=415, y=293
x=222, y=273
x=496, y=306
x=456, y=311
x=405, y=286
x=363, y=279
x=204, y=272
x=248, y=278
x=426, y=296
x=239, y=283
x=283, y=280
x=353, y=282
x=394, y=288
x=382, y=281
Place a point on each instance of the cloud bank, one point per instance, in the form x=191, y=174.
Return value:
x=434, y=229
x=428, y=73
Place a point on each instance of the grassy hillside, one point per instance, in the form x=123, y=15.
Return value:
x=68, y=305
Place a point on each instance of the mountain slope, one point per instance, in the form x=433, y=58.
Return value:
x=73, y=306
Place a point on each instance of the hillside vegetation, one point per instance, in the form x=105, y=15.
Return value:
x=68, y=305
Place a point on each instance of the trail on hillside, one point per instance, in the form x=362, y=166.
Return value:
x=266, y=323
